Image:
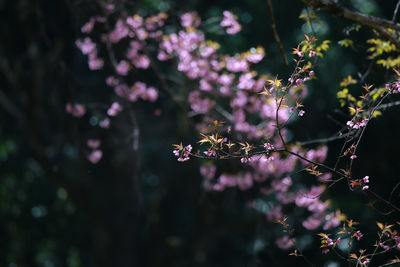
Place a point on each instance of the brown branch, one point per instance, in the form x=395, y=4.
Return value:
x=275, y=32
x=370, y=21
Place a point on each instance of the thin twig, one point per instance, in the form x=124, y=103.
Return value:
x=275, y=32
x=395, y=11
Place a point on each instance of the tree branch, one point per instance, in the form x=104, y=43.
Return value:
x=331, y=7
x=275, y=31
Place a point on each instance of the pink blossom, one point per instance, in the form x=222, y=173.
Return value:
x=199, y=104
x=135, y=21
x=205, y=85
x=313, y=222
x=354, y=156
x=88, y=26
x=245, y=182
x=230, y=23
x=114, y=109
x=358, y=235
x=120, y=31
x=112, y=81
x=325, y=250
x=284, y=242
x=300, y=54
x=76, y=110
x=95, y=156
x=311, y=54
x=350, y=124
x=236, y=65
x=208, y=171
x=94, y=62
x=86, y=46
x=254, y=57
x=301, y=113
x=365, y=187
x=299, y=81
x=93, y=143
x=122, y=68
x=318, y=155
x=332, y=221
x=268, y=146
x=210, y=153
x=151, y=94
x=105, y=123
x=190, y=19
x=384, y=246
x=141, y=62
x=281, y=185
x=226, y=79
x=246, y=81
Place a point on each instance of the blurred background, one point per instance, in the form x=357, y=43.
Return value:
x=147, y=209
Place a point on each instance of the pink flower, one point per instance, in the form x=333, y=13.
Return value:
x=358, y=235
x=269, y=146
x=301, y=113
x=208, y=171
x=120, y=31
x=205, y=85
x=210, y=153
x=112, y=81
x=311, y=54
x=333, y=221
x=105, y=123
x=313, y=222
x=86, y=46
x=255, y=57
x=299, y=81
x=114, y=109
x=122, y=68
x=245, y=182
x=190, y=19
x=151, y=94
x=93, y=143
x=284, y=242
x=141, y=62
x=246, y=81
x=88, y=27
x=354, y=156
x=350, y=124
x=300, y=54
x=135, y=21
x=182, y=152
x=384, y=246
x=230, y=23
x=94, y=62
x=95, y=156
x=366, y=179
x=226, y=79
x=76, y=110
x=244, y=160
x=365, y=261
x=365, y=187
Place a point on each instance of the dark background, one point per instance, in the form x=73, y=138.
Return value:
x=146, y=209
